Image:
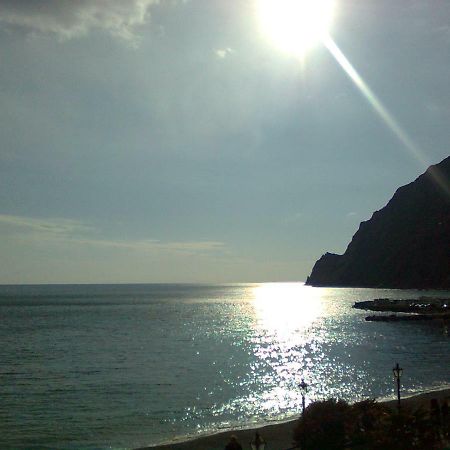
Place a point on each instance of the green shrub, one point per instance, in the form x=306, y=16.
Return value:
x=336, y=425
x=323, y=426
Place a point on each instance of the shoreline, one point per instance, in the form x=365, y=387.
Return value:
x=279, y=435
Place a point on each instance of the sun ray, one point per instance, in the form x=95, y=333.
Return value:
x=381, y=110
x=296, y=26
x=374, y=101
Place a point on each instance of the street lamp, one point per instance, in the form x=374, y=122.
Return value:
x=397, y=375
x=304, y=390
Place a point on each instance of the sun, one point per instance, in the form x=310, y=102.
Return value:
x=295, y=26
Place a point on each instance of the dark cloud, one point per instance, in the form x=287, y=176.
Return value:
x=69, y=18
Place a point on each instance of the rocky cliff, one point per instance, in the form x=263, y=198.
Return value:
x=406, y=244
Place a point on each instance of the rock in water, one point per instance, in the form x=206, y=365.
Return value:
x=406, y=244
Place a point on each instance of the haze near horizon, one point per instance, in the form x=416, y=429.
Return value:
x=209, y=141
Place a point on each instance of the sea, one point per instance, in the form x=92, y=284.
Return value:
x=127, y=366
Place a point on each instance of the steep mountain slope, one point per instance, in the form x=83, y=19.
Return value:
x=406, y=244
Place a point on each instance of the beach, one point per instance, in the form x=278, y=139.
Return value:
x=279, y=436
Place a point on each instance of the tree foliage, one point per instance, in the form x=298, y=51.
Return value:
x=336, y=425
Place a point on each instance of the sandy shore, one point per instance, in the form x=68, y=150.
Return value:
x=279, y=436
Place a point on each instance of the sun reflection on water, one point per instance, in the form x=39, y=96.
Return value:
x=284, y=343
x=291, y=332
x=283, y=332
x=285, y=309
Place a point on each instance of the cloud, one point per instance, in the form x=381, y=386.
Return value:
x=69, y=18
x=152, y=245
x=222, y=53
x=67, y=231
x=52, y=227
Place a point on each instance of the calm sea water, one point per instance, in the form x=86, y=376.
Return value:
x=123, y=366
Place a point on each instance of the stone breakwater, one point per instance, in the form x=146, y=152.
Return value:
x=424, y=308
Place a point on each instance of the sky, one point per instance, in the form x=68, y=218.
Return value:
x=172, y=141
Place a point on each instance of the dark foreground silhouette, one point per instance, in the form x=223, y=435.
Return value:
x=422, y=424
x=233, y=444
x=368, y=425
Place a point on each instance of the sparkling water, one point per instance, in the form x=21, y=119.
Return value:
x=123, y=366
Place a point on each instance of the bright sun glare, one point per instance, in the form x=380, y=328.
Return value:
x=295, y=26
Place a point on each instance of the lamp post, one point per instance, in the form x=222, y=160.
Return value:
x=397, y=375
x=304, y=390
